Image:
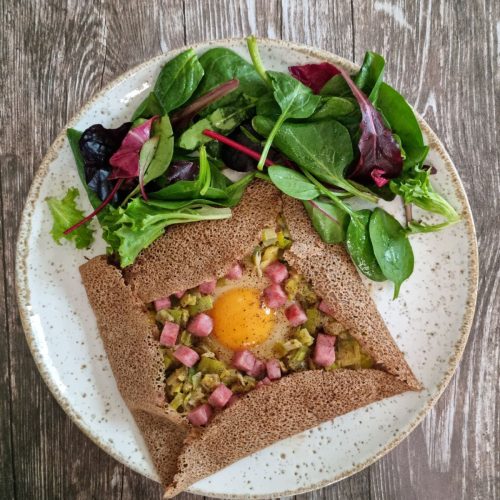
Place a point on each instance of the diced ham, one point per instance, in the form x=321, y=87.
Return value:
x=220, y=396
x=201, y=325
x=326, y=308
x=324, y=351
x=264, y=381
x=243, y=360
x=179, y=294
x=235, y=273
x=258, y=370
x=275, y=296
x=295, y=315
x=186, y=356
x=163, y=303
x=169, y=334
x=200, y=415
x=232, y=400
x=276, y=272
x=208, y=287
x=273, y=369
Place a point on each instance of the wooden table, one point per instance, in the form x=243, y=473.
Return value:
x=444, y=56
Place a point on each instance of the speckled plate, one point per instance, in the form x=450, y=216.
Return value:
x=430, y=321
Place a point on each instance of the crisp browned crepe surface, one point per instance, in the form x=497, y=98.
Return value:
x=185, y=257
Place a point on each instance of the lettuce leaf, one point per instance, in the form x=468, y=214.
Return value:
x=64, y=215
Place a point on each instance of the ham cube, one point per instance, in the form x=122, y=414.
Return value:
x=325, y=308
x=235, y=273
x=169, y=334
x=179, y=294
x=295, y=315
x=201, y=325
x=220, y=396
x=188, y=357
x=264, y=381
x=258, y=370
x=163, y=303
x=200, y=415
x=273, y=369
x=243, y=360
x=276, y=272
x=208, y=287
x=324, y=351
x=275, y=296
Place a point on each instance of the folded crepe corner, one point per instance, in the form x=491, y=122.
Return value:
x=183, y=455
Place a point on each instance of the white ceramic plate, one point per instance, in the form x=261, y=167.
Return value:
x=430, y=321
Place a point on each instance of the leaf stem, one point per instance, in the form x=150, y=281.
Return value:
x=269, y=141
x=253, y=49
x=98, y=209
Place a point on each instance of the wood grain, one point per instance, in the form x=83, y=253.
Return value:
x=444, y=56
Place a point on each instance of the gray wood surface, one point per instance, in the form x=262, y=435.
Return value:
x=444, y=56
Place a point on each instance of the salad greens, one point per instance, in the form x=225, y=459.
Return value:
x=319, y=134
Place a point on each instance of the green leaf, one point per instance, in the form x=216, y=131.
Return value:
x=338, y=108
x=415, y=187
x=222, y=120
x=371, y=75
x=178, y=80
x=360, y=247
x=323, y=148
x=329, y=220
x=65, y=214
x=74, y=139
x=164, y=151
x=336, y=86
x=148, y=108
x=391, y=247
x=292, y=183
x=221, y=65
x=146, y=155
x=403, y=122
x=253, y=50
x=129, y=230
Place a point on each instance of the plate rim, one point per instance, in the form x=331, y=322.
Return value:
x=22, y=254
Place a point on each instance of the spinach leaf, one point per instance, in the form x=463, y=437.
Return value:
x=178, y=80
x=292, y=183
x=323, y=148
x=329, y=220
x=65, y=214
x=74, y=139
x=403, y=122
x=222, y=120
x=371, y=75
x=295, y=101
x=267, y=106
x=220, y=65
x=391, y=248
x=337, y=87
x=360, y=247
x=129, y=230
x=148, y=108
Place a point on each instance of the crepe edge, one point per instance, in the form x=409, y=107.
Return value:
x=135, y=361
x=291, y=405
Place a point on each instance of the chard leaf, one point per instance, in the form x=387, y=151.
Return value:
x=221, y=65
x=129, y=230
x=222, y=120
x=64, y=215
x=292, y=183
x=178, y=80
x=329, y=220
x=314, y=76
x=391, y=247
x=360, y=247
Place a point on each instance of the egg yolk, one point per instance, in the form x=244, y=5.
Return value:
x=240, y=320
